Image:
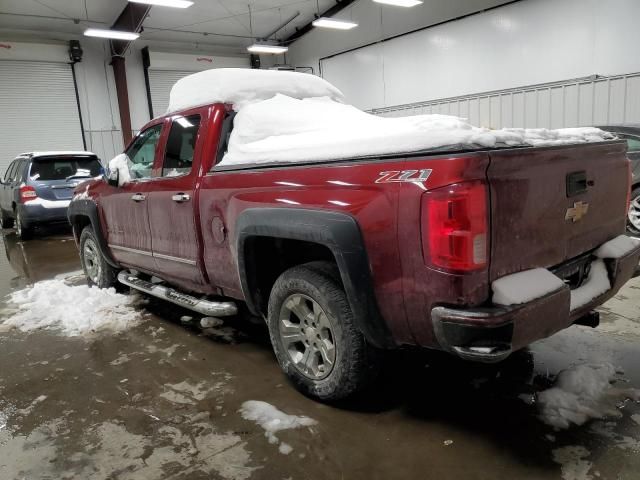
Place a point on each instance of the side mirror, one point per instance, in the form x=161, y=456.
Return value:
x=113, y=177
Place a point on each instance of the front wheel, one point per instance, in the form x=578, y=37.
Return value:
x=633, y=218
x=5, y=222
x=314, y=336
x=95, y=267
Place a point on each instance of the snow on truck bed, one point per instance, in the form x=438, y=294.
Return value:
x=287, y=117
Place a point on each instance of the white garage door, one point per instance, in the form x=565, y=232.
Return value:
x=38, y=109
x=160, y=83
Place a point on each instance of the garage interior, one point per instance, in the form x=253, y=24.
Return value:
x=166, y=397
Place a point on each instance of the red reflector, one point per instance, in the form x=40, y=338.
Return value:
x=27, y=193
x=455, y=227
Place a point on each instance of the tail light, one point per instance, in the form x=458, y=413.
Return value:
x=27, y=193
x=455, y=227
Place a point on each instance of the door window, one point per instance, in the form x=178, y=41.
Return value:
x=142, y=152
x=8, y=175
x=181, y=143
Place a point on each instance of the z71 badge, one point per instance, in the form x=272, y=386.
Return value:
x=393, y=176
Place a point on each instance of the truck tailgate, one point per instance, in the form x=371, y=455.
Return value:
x=532, y=191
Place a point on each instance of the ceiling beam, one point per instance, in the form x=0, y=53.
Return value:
x=338, y=7
x=129, y=20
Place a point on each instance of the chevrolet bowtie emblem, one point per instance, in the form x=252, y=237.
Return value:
x=576, y=212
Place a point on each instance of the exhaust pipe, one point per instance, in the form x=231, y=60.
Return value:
x=205, y=307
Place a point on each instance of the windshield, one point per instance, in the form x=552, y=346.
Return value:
x=52, y=168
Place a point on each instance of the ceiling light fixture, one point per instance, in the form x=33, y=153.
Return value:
x=325, y=22
x=114, y=34
x=266, y=48
x=400, y=3
x=166, y=3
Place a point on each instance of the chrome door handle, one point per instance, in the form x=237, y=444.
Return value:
x=138, y=197
x=181, y=197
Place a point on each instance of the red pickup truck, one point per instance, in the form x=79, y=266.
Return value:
x=344, y=259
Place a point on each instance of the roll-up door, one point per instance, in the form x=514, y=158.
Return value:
x=38, y=109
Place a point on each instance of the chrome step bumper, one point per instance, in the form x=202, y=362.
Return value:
x=205, y=307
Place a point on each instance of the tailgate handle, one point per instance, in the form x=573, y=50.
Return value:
x=577, y=183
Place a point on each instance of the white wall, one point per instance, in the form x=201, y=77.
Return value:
x=525, y=43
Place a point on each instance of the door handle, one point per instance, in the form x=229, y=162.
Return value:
x=138, y=197
x=181, y=197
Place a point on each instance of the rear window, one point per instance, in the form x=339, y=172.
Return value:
x=64, y=168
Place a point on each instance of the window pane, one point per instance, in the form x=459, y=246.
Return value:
x=9, y=172
x=633, y=144
x=64, y=168
x=142, y=152
x=180, y=145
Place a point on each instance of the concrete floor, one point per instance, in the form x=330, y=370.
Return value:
x=162, y=400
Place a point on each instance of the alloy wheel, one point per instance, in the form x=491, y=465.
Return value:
x=307, y=335
x=91, y=260
x=634, y=213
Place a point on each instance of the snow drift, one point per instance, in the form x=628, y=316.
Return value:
x=581, y=393
x=283, y=129
x=71, y=310
x=240, y=86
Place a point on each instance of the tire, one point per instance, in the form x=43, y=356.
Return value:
x=633, y=217
x=328, y=358
x=5, y=222
x=95, y=267
x=24, y=232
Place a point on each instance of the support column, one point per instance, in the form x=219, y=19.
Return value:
x=122, y=92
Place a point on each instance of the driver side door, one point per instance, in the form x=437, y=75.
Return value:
x=125, y=207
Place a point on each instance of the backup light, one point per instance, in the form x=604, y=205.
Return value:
x=325, y=22
x=400, y=3
x=265, y=48
x=27, y=194
x=166, y=3
x=113, y=34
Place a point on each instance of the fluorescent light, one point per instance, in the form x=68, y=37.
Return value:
x=400, y=3
x=325, y=22
x=264, y=48
x=166, y=3
x=115, y=34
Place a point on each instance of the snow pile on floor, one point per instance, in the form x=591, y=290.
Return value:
x=581, y=393
x=71, y=309
x=523, y=287
x=273, y=420
x=239, y=86
x=284, y=129
x=596, y=284
x=618, y=247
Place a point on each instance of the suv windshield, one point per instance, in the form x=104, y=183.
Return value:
x=64, y=168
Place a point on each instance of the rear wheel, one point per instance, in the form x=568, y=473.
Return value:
x=314, y=336
x=633, y=218
x=5, y=222
x=95, y=267
x=23, y=231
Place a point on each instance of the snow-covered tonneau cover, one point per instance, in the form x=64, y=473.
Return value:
x=290, y=117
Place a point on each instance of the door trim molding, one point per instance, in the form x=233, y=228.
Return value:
x=155, y=255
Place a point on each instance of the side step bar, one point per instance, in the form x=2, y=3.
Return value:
x=205, y=307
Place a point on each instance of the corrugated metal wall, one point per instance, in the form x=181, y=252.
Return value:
x=571, y=103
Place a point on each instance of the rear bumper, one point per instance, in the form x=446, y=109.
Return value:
x=490, y=334
x=44, y=211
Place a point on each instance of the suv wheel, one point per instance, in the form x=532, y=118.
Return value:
x=24, y=232
x=633, y=218
x=5, y=222
x=313, y=334
x=95, y=267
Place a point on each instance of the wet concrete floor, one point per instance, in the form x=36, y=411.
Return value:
x=161, y=401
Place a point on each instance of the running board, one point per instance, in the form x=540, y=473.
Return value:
x=205, y=307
